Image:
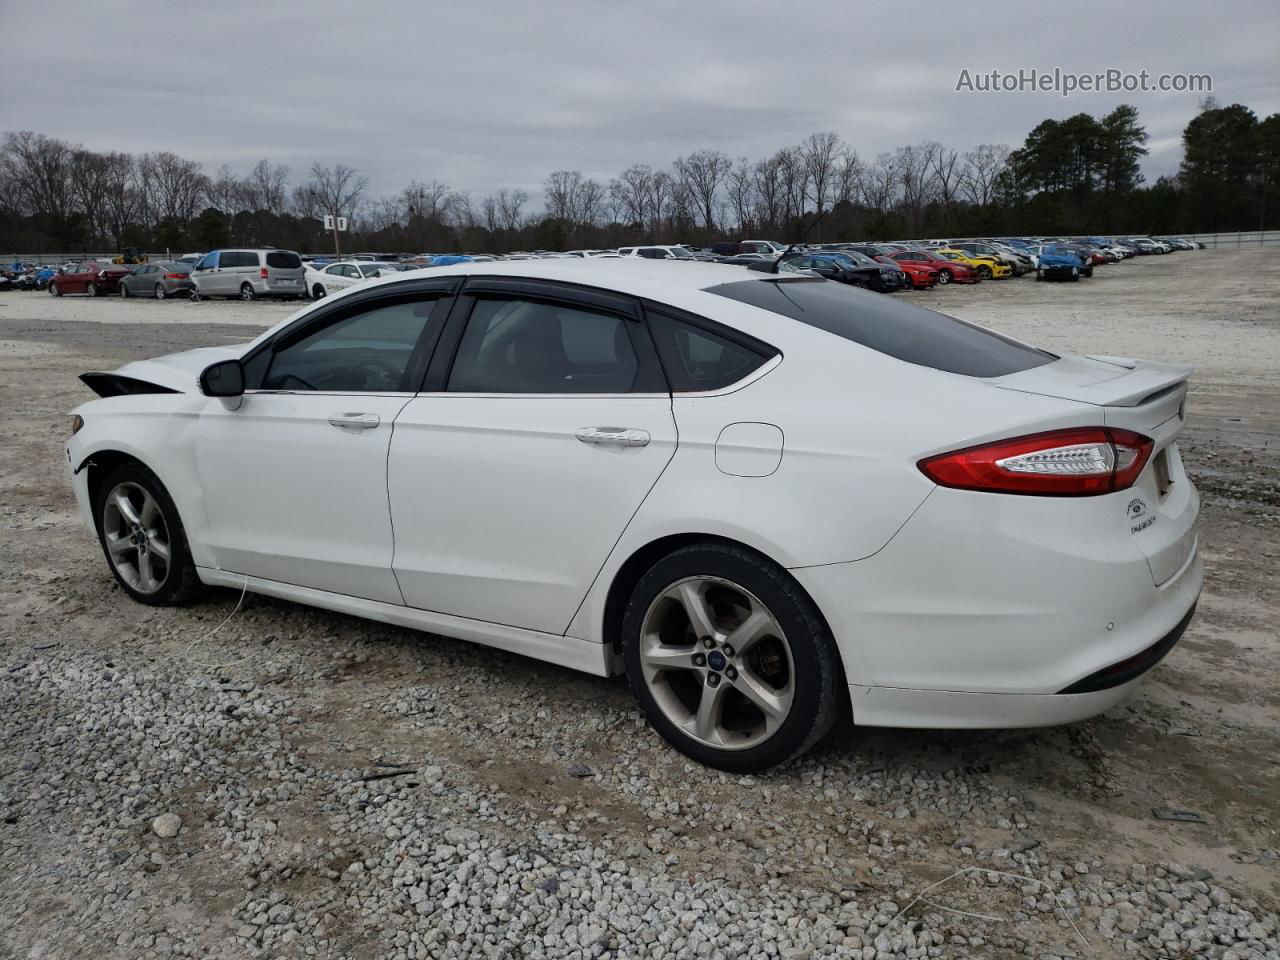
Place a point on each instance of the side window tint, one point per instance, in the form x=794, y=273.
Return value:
x=524, y=346
x=367, y=352
x=697, y=359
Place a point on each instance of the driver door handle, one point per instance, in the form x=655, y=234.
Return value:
x=355, y=421
x=614, y=436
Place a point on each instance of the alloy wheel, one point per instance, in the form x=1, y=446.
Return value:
x=944, y=276
x=717, y=663
x=246, y=292
x=160, y=294
x=136, y=536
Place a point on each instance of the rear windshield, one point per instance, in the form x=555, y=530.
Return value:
x=283, y=260
x=900, y=330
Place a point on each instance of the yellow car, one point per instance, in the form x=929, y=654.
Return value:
x=986, y=267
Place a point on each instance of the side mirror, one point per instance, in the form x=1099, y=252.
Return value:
x=223, y=379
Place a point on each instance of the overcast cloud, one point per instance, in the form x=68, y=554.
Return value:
x=491, y=95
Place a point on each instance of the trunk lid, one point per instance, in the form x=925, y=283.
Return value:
x=1148, y=398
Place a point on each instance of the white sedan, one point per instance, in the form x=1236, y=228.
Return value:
x=334, y=277
x=766, y=498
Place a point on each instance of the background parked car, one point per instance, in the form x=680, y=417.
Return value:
x=159, y=280
x=92, y=277
x=335, y=277
x=949, y=271
x=248, y=274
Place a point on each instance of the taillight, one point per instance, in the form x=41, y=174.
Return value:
x=263, y=273
x=175, y=276
x=1079, y=462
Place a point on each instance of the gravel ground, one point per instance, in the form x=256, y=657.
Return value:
x=297, y=783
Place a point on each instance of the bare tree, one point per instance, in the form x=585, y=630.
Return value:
x=336, y=189
x=632, y=190
x=175, y=186
x=701, y=173
x=741, y=189
x=267, y=186
x=39, y=168
x=767, y=184
x=819, y=156
x=945, y=166
x=983, y=166
x=225, y=191
x=122, y=207
x=511, y=206
x=880, y=183
x=915, y=177
x=89, y=172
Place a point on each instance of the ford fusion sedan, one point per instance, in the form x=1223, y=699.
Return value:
x=766, y=498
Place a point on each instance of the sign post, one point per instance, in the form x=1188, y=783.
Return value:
x=337, y=225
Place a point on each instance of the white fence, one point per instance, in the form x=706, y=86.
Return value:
x=1249, y=238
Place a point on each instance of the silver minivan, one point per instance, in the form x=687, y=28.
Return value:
x=248, y=274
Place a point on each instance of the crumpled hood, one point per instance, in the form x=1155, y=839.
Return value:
x=178, y=372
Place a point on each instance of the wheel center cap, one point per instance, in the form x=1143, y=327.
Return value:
x=716, y=660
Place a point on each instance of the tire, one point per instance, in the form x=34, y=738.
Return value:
x=944, y=277
x=792, y=664
x=91, y=288
x=1038, y=276
x=159, y=291
x=54, y=291
x=124, y=291
x=984, y=272
x=317, y=292
x=246, y=291
x=137, y=564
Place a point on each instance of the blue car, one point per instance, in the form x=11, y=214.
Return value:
x=1057, y=263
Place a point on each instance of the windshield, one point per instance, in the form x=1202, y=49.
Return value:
x=900, y=330
x=680, y=253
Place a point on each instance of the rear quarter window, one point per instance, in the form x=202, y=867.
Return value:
x=283, y=260
x=899, y=330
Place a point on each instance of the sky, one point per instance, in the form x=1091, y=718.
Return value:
x=497, y=94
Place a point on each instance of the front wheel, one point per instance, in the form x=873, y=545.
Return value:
x=124, y=291
x=984, y=273
x=730, y=659
x=1038, y=276
x=143, y=538
x=54, y=291
x=91, y=289
x=944, y=276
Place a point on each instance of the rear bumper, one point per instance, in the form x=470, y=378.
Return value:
x=986, y=610
x=960, y=710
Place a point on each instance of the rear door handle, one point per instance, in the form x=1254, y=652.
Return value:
x=614, y=436
x=355, y=421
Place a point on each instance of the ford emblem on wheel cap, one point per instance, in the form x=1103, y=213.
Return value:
x=716, y=660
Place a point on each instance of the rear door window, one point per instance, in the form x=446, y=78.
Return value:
x=900, y=330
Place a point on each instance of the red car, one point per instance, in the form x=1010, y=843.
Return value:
x=922, y=275
x=89, y=276
x=949, y=271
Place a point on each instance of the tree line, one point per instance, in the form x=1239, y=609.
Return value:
x=1077, y=175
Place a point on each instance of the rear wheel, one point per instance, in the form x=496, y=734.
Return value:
x=160, y=294
x=246, y=291
x=317, y=292
x=143, y=538
x=730, y=660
